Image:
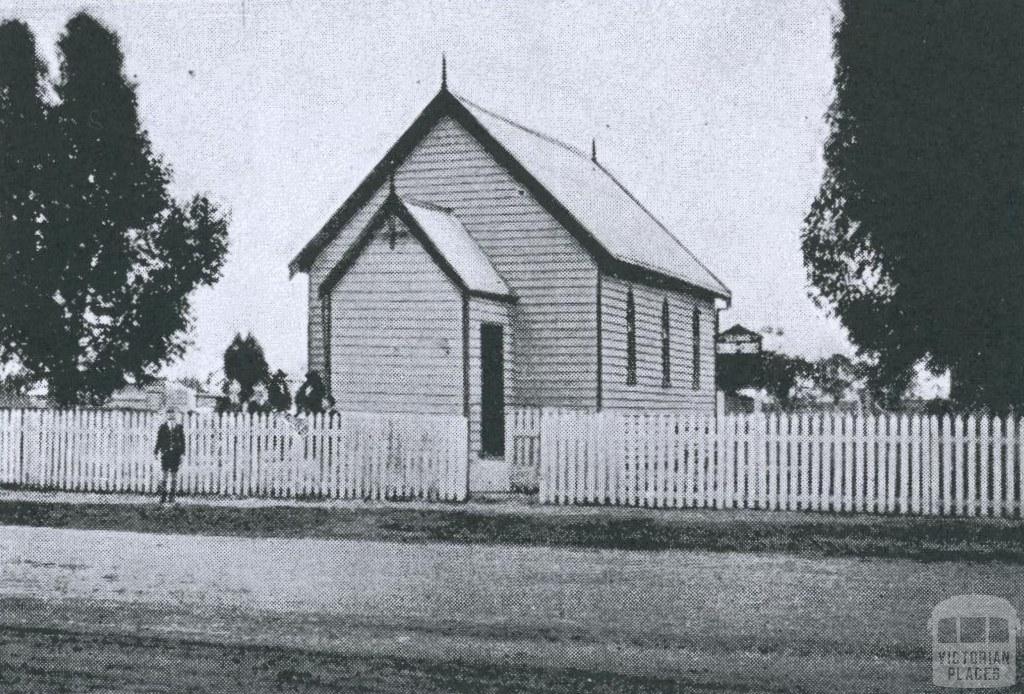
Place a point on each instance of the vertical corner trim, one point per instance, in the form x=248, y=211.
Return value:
x=600, y=374
x=325, y=336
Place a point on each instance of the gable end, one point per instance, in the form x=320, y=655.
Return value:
x=393, y=205
x=445, y=103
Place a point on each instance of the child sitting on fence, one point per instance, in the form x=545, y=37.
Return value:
x=170, y=448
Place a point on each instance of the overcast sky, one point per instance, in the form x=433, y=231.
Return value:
x=710, y=112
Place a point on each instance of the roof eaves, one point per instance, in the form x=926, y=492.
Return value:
x=721, y=285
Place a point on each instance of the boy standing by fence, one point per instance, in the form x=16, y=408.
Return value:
x=170, y=447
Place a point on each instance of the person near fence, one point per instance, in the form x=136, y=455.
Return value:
x=170, y=448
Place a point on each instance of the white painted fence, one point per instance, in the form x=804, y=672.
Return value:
x=351, y=456
x=966, y=466
x=522, y=446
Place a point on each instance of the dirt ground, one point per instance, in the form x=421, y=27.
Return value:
x=55, y=661
x=150, y=608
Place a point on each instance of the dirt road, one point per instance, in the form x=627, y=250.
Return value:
x=733, y=622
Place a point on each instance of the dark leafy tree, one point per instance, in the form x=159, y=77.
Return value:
x=16, y=382
x=26, y=190
x=887, y=389
x=280, y=394
x=780, y=375
x=915, y=239
x=105, y=262
x=309, y=398
x=735, y=372
x=834, y=376
x=245, y=363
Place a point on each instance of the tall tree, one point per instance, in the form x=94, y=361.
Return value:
x=26, y=157
x=915, y=239
x=115, y=258
x=245, y=363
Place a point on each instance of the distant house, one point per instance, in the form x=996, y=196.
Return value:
x=738, y=340
x=153, y=396
x=482, y=264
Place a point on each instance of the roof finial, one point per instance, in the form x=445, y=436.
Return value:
x=593, y=150
x=391, y=176
x=444, y=72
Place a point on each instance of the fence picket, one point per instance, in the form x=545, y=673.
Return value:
x=1020, y=466
x=984, y=465
x=972, y=466
x=771, y=462
x=1014, y=492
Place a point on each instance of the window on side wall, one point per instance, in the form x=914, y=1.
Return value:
x=666, y=346
x=696, y=349
x=630, y=339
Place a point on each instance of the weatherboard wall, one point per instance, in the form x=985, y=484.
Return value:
x=396, y=331
x=648, y=391
x=554, y=320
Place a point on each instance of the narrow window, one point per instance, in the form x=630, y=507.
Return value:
x=666, y=359
x=630, y=339
x=696, y=349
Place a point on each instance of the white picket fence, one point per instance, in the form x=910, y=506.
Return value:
x=340, y=456
x=965, y=466
x=522, y=446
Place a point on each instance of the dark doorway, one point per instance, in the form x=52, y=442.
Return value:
x=492, y=390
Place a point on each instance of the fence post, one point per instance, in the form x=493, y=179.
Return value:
x=760, y=423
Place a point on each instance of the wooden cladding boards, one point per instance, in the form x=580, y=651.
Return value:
x=552, y=276
x=396, y=331
x=648, y=392
x=320, y=268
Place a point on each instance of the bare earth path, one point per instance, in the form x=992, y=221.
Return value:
x=716, y=621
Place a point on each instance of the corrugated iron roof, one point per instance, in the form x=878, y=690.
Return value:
x=619, y=222
x=581, y=193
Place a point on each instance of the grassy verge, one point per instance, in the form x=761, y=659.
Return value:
x=802, y=534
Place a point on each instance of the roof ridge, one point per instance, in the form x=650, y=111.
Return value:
x=536, y=133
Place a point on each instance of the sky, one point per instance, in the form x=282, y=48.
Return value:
x=710, y=112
